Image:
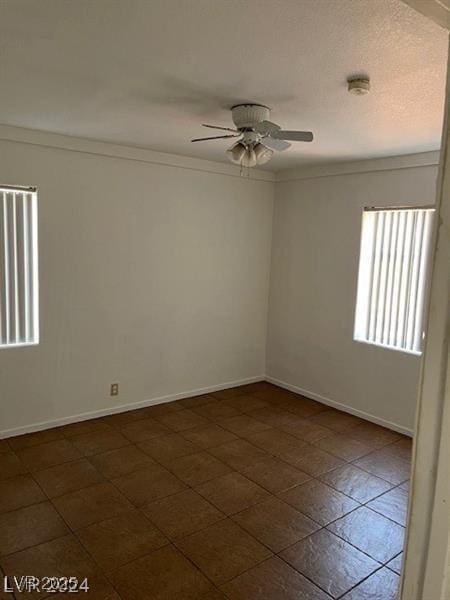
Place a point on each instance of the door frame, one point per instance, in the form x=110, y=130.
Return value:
x=425, y=573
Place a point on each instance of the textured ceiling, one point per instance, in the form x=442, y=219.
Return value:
x=149, y=72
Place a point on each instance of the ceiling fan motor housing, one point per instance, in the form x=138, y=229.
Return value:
x=248, y=115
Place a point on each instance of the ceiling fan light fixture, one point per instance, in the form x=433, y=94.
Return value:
x=236, y=153
x=258, y=137
x=263, y=154
x=249, y=158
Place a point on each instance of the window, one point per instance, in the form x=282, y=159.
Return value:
x=19, y=318
x=392, y=277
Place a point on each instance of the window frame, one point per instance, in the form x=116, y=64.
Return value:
x=363, y=309
x=33, y=266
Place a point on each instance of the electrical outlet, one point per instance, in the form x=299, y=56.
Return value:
x=114, y=389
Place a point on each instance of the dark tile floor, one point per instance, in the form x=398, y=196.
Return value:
x=250, y=493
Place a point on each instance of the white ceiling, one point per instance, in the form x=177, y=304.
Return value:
x=149, y=72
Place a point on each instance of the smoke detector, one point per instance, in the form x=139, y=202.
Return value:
x=359, y=86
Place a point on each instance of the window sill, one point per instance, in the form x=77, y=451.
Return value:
x=21, y=345
x=386, y=347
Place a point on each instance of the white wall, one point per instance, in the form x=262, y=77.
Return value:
x=315, y=252
x=150, y=275
x=157, y=276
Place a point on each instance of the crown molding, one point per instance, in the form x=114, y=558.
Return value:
x=391, y=163
x=36, y=137
x=436, y=10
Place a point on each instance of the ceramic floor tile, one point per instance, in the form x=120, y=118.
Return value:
x=29, y=526
x=354, y=482
x=162, y=575
x=312, y=460
x=181, y=514
x=48, y=455
x=275, y=442
x=275, y=475
x=402, y=448
x=272, y=580
x=319, y=502
x=307, y=431
x=69, y=477
x=121, y=461
x=343, y=446
x=144, y=429
x=246, y=404
x=166, y=448
x=163, y=409
x=197, y=401
x=405, y=486
x=384, y=465
x=332, y=564
x=216, y=411
x=223, y=551
x=337, y=420
x=209, y=436
x=371, y=533
x=301, y=406
x=96, y=442
x=258, y=387
x=4, y=446
x=275, y=524
x=230, y=524
x=18, y=492
x=121, y=539
x=228, y=393
x=182, y=420
x=119, y=419
x=148, y=484
x=382, y=585
x=275, y=395
x=211, y=595
x=11, y=466
x=90, y=505
x=88, y=426
x=275, y=417
x=198, y=468
x=396, y=564
x=393, y=505
x=56, y=558
x=239, y=454
x=34, y=439
x=312, y=405
x=243, y=425
x=232, y=493
x=373, y=435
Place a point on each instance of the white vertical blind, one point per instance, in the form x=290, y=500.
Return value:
x=19, y=303
x=392, y=277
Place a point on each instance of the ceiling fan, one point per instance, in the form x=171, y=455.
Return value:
x=259, y=137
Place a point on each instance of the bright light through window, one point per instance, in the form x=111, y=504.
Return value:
x=19, y=297
x=392, y=277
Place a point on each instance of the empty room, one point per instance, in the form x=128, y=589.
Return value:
x=219, y=237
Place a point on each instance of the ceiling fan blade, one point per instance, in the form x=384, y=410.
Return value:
x=221, y=128
x=275, y=144
x=266, y=127
x=294, y=136
x=215, y=137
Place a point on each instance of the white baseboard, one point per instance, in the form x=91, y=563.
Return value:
x=213, y=388
x=103, y=412
x=343, y=407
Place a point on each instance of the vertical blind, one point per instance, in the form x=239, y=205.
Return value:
x=19, y=322
x=392, y=277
